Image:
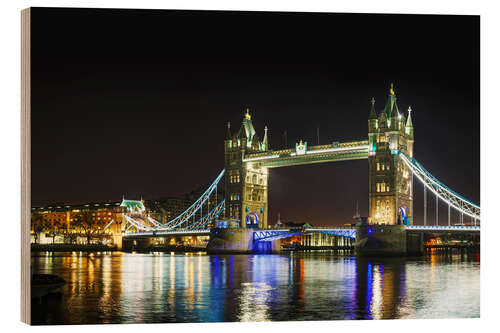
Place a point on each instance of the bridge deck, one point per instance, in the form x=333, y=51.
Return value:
x=441, y=229
x=180, y=232
x=273, y=234
x=314, y=154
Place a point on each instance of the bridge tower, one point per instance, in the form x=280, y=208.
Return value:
x=390, y=180
x=246, y=183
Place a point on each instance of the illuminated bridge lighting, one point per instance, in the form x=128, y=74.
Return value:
x=270, y=235
x=183, y=232
x=185, y=221
x=333, y=150
x=260, y=158
x=442, y=191
x=430, y=228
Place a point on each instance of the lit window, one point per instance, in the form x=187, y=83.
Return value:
x=383, y=167
x=388, y=188
x=378, y=166
x=388, y=166
x=378, y=187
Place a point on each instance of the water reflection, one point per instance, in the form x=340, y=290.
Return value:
x=157, y=287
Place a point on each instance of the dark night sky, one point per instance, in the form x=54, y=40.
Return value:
x=136, y=102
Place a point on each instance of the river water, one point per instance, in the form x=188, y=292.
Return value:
x=117, y=287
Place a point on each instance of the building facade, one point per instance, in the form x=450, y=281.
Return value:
x=72, y=221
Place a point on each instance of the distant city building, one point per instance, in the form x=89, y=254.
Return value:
x=291, y=224
x=76, y=219
x=68, y=220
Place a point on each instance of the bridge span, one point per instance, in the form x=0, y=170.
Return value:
x=367, y=239
x=273, y=234
x=389, y=229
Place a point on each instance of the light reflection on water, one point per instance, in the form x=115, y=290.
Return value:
x=140, y=288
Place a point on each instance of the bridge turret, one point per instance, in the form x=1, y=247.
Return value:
x=409, y=125
x=255, y=143
x=243, y=135
x=382, y=121
x=246, y=182
x=372, y=129
x=228, y=132
x=228, y=141
x=391, y=183
x=395, y=116
x=265, y=143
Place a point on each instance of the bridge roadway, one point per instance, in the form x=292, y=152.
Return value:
x=337, y=151
x=274, y=234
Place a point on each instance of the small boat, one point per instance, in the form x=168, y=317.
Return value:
x=45, y=284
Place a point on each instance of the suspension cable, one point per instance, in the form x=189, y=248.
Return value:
x=453, y=199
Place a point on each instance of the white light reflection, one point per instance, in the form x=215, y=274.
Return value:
x=254, y=298
x=378, y=298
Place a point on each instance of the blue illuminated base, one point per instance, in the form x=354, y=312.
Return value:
x=238, y=240
x=381, y=240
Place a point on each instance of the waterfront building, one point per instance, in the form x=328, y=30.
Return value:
x=76, y=220
x=81, y=223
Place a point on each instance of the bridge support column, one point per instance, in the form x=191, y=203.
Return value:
x=449, y=215
x=377, y=240
x=425, y=205
x=136, y=244
x=414, y=244
x=118, y=241
x=240, y=240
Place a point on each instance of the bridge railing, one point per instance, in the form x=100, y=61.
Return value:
x=168, y=232
x=274, y=154
x=273, y=234
x=443, y=228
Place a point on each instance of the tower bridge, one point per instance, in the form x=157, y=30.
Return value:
x=248, y=161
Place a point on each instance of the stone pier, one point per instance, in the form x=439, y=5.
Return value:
x=387, y=240
x=239, y=240
x=137, y=244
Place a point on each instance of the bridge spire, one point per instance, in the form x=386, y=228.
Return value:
x=243, y=132
x=247, y=115
x=373, y=113
x=391, y=103
x=409, y=124
x=228, y=132
x=265, y=143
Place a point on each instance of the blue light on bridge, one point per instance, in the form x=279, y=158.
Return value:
x=222, y=224
x=252, y=220
x=370, y=231
x=369, y=290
